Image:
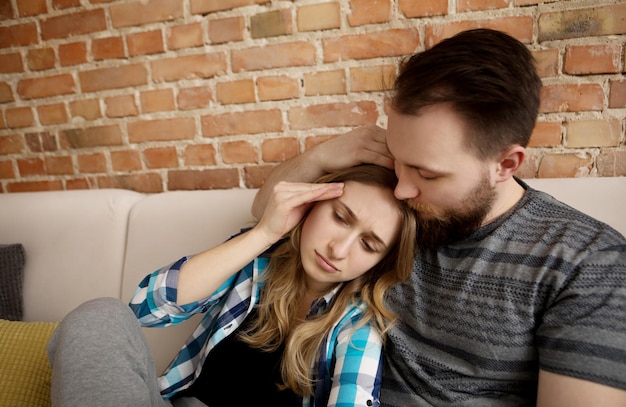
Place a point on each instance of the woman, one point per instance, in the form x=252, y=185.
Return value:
x=288, y=321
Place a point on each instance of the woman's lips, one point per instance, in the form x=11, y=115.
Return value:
x=325, y=263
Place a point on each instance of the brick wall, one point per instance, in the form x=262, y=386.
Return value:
x=159, y=95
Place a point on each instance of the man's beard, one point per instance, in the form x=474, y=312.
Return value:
x=441, y=227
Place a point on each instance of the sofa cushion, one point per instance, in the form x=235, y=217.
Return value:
x=25, y=373
x=11, y=281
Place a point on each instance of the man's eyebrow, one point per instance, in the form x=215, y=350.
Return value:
x=354, y=218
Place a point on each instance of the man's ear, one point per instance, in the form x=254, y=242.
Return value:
x=509, y=162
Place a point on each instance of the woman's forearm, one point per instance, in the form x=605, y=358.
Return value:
x=205, y=272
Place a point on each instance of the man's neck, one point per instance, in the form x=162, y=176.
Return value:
x=508, y=194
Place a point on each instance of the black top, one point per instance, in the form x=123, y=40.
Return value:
x=235, y=374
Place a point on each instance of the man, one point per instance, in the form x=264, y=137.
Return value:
x=515, y=298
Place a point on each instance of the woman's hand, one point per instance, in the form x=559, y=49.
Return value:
x=289, y=202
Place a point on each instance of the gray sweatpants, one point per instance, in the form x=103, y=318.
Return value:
x=100, y=358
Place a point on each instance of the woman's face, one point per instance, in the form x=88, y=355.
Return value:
x=344, y=237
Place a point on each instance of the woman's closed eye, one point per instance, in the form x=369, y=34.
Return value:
x=339, y=217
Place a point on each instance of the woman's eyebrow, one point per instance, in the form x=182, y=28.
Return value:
x=353, y=218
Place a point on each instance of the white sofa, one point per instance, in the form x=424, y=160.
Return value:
x=85, y=244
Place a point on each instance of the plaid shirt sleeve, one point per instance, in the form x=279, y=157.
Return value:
x=154, y=301
x=353, y=363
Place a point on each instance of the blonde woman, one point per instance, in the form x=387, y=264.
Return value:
x=294, y=312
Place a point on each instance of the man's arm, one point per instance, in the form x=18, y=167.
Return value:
x=559, y=390
x=359, y=146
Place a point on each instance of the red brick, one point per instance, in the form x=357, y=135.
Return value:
x=12, y=144
x=126, y=160
x=240, y=91
x=546, y=134
x=79, y=183
x=325, y=83
x=6, y=10
x=88, y=109
x=158, y=100
x=236, y=152
x=571, y=98
x=210, y=6
x=189, y=66
x=392, y=42
x=277, y=87
x=145, y=183
x=6, y=94
x=464, y=6
x=247, y=122
x=317, y=17
x=108, y=48
x=28, y=8
x=423, y=8
x=273, y=56
x=372, y=78
x=565, y=166
x=617, y=95
x=547, y=62
x=81, y=22
x=200, y=154
x=46, y=86
x=6, y=169
x=369, y=12
x=39, y=59
x=121, y=106
x=161, y=157
x=11, y=63
x=29, y=167
x=18, y=117
x=145, y=43
x=520, y=27
x=18, y=35
x=73, y=53
x=280, y=149
x=194, y=98
x=333, y=115
x=92, y=163
x=59, y=165
x=185, y=36
x=110, y=135
x=592, y=59
x=63, y=4
x=255, y=175
x=34, y=186
x=227, y=30
x=225, y=178
x=52, y=114
x=33, y=141
x=126, y=76
x=140, y=13
x=161, y=130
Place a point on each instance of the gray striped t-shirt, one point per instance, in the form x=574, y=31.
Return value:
x=542, y=287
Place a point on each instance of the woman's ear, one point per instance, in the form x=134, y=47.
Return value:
x=509, y=162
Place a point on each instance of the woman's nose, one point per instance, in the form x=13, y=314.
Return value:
x=340, y=246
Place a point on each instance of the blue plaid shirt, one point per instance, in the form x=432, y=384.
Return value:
x=350, y=365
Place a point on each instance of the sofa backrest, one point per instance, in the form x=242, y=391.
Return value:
x=74, y=242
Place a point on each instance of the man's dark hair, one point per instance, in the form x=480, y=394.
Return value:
x=486, y=76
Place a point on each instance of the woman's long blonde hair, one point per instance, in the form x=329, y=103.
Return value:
x=284, y=288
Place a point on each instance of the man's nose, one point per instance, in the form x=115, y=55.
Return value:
x=405, y=190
